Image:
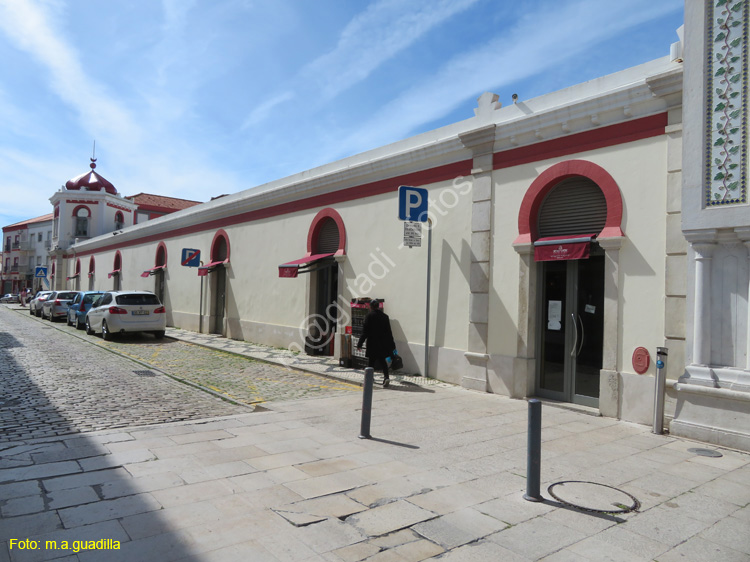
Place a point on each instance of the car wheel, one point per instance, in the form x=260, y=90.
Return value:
x=106, y=334
x=31, y=311
x=79, y=325
x=89, y=331
x=67, y=319
x=159, y=334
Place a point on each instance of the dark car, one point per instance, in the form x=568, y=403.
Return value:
x=80, y=306
x=56, y=305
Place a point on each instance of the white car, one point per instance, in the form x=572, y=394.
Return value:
x=117, y=312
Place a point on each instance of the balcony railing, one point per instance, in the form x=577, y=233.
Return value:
x=14, y=268
x=16, y=245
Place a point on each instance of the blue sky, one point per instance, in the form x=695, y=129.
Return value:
x=195, y=98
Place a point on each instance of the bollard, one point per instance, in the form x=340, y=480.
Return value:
x=534, y=452
x=660, y=383
x=364, y=428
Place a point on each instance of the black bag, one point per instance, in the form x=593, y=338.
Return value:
x=396, y=361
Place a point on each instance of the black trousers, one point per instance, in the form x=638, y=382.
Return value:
x=376, y=363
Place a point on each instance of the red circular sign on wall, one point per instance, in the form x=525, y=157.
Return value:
x=641, y=360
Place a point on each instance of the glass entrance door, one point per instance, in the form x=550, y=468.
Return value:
x=571, y=332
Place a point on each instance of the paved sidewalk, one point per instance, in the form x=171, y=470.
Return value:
x=320, y=365
x=442, y=478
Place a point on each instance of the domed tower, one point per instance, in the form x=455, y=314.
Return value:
x=85, y=207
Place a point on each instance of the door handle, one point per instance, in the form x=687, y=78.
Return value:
x=575, y=333
x=583, y=336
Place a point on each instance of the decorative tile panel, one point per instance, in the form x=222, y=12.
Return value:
x=727, y=101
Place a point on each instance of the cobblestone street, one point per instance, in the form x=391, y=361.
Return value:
x=55, y=382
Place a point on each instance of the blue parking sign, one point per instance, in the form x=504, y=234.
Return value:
x=412, y=203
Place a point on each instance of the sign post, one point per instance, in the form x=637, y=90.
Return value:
x=192, y=258
x=413, y=203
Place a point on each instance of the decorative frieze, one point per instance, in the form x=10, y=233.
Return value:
x=727, y=89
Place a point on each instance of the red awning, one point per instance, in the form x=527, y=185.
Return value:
x=554, y=248
x=209, y=267
x=291, y=268
x=113, y=273
x=153, y=270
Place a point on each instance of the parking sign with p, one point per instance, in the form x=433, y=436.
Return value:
x=412, y=203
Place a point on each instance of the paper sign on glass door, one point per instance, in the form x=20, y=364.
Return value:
x=554, y=315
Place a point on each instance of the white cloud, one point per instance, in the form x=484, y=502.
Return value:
x=30, y=27
x=262, y=111
x=536, y=43
x=376, y=35
x=384, y=29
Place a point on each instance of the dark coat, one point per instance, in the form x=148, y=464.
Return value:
x=376, y=331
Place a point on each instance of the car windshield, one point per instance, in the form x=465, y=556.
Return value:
x=137, y=299
x=66, y=296
x=88, y=299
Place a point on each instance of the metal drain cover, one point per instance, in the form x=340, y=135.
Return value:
x=590, y=496
x=145, y=373
x=705, y=452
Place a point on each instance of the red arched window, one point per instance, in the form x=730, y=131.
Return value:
x=329, y=224
x=529, y=212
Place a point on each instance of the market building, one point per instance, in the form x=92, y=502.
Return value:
x=567, y=243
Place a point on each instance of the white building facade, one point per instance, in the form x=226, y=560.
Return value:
x=568, y=243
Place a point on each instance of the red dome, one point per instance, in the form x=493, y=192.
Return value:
x=90, y=181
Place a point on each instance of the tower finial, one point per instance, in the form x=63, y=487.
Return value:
x=93, y=157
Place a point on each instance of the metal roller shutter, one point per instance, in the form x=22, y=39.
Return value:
x=328, y=238
x=574, y=206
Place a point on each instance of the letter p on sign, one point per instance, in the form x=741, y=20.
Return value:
x=412, y=204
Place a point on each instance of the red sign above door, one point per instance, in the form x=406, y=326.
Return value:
x=557, y=248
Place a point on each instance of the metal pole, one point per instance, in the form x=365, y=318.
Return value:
x=200, y=309
x=534, y=452
x=427, y=313
x=660, y=383
x=364, y=428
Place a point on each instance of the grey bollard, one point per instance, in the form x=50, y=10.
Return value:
x=534, y=452
x=660, y=382
x=364, y=428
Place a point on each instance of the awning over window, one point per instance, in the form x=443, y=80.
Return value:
x=209, y=267
x=554, y=248
x=113, y=273
x=302, y=265
x=153, y=270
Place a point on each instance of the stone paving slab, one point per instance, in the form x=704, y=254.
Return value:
x=453, y=457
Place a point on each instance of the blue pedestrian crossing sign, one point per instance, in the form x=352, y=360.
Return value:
x=412, y=203
x=41, y=272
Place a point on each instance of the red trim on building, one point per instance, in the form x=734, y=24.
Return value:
x=81, y=201
x=219, y=234
x=119, y=207
x=424, y=177
x=78, y=208
x=643, y=128
x=317, y=223
x=161, y=252
x=528, y=214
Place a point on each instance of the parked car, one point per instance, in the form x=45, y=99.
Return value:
x=10, y=298
x=35, y=305
x=79, y=306
x=116, y=312
x=56, y=305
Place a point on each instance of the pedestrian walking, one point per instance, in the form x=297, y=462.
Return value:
x=23, y=297
x=376, y=331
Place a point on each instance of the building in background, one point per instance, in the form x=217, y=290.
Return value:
x=26, y=245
